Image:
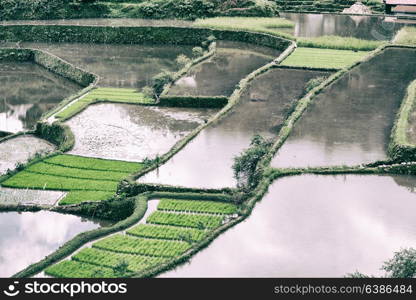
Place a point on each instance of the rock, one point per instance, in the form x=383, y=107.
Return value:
x=357, y=8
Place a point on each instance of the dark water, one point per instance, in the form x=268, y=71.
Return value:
x=207, y=160
x=350, y=122
x=132, y=132
x=363, y=27
x=28, y=237
x=219, y=75
x=26, y=92
x=123, y=66
x=20, y=149
x=315, y=226
x=103, y=22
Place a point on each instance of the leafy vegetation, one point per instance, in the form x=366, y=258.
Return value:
x=245, y=165
x=117, y=95
x=56, y=170
x=197, y=206
x=338, y=42
x=75, y=197
x=406, y=36
x=272, y=26
x=167, y=232
x=75, y=269
x=134, y=245
x=112, y=259
x=81, y=162
x=185, y=220
x=323, y=58
x=314, y=82
x=87, y=179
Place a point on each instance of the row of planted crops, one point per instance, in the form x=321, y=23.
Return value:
x=183, y=127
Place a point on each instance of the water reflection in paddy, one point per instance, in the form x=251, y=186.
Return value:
x=128, y=66
x=350, y=122
x=363, y=27
x=219, y=75
x=315, y=226
x=207, y=160
x=27, y=91
x=28, y=237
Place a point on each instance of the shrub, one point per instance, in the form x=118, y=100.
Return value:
x=245, y=165
x=160, y=80
x=313, y=83
x=197, y=51
x=182, y=60
x=402, y=265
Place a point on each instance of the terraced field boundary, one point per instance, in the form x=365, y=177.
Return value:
x=400, y=149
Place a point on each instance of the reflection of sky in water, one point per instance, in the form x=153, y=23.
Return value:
x=207, y=160
x=363, y=27
x=28, y=237
x=331, y=226
x=350, y=122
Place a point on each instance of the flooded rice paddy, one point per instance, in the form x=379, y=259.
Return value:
x=207, y=160
x=20, y=149
x=122, y=66
x=29, y=197
x=28, y=90
x=219, y=75
x=362, y=27
x=315, y=226
x=350, y=122
x=28, y=237
x=132, y=132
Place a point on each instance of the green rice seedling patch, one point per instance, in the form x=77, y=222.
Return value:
x=75, y=269
x=116, y=95
x=56, y=170
x=274, y=26
x=112, y=259
x=30, y=180
x=167, y=232
x=323, y=58
x=133, y=245
x=185, y=220
x=75, y=197
x=81, y=162
x=338, y=42
x=197, y=206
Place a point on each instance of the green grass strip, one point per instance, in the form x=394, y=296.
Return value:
x=272, y=26
x=133, y=245
x=167, y=232
x=50, y=169
x=81, y=162
x=30, y=180
x=75, y=269
x=197, y=206
x=76, y=197
x=185, y=220
x=338, y=42
x=323, y=58
x=104, y=95
x=112, y=259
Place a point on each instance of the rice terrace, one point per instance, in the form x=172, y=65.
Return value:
x=205, y=138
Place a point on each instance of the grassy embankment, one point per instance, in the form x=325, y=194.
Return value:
x=169, y=232
x=406, y=36
x=113, y=95
x=86, y=179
